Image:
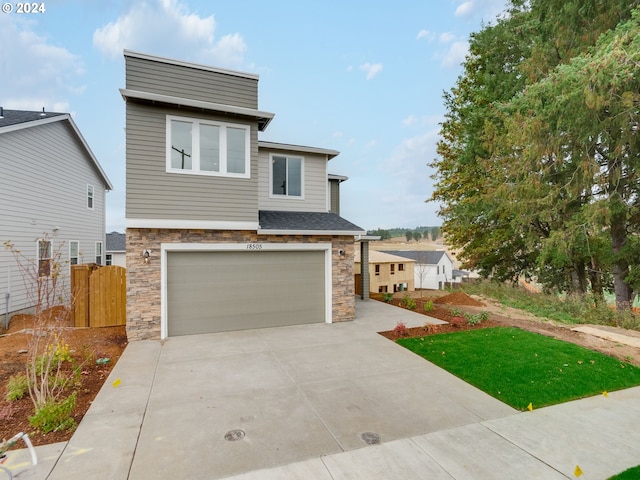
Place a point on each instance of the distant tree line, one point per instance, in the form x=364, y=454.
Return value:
x=417, y=233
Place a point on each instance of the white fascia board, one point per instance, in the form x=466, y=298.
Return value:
x=168, y=223
x=298, y=148
x=188, y=102
x=182, y=63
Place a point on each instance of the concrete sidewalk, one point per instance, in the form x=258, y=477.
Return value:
x=302, y=402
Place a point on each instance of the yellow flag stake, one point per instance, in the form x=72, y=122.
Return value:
x=116, y=382
x=606, y=395
x=530, y=407
x=578, y=471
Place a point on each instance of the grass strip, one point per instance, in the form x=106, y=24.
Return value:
x=520, y=367
x=630, y=474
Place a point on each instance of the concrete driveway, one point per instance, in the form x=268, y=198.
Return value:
x=306, y=401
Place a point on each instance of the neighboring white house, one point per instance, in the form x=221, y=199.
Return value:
x=433, y=269
x=51, y=185
x=116, y=249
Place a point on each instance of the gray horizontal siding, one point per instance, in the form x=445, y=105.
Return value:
x=45, y=172
x=152, y=193
x=315, y=184
x=193, y=83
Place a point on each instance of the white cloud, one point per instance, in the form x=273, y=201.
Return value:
x=456, y=54
x=425, y=34
x=372, y=69
x=371, y=144
x=465, y=9
x=35, y=73
x=446, y=37
x=168, y=28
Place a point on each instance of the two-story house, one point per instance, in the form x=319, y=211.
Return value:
x=224, y=232
x=387, y=273
x=52, y=202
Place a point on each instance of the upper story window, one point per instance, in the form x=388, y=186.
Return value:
x=287, y=176
x=206, y=147
x=401, y=267
x=377, y=269
x=393, y=268
x=90, y=197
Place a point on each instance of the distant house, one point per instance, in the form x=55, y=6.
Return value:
x=116, y=249
x=387, y=273
x=433, y=269
x=52, y=197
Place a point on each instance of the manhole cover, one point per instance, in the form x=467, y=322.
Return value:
x=234, y=435
x=371, y=438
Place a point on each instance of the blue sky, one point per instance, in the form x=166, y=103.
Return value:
x=361, y=77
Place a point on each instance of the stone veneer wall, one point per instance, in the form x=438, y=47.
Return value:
x=143, y=279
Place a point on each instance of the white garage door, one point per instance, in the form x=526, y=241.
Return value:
x=236, y=290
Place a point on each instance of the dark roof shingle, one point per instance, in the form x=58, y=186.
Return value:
x=15, y=117
x=116, y=242
x=301, y=221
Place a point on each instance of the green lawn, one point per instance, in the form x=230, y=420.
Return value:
x=520, y=367
x=631, y=474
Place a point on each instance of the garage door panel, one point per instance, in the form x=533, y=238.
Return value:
x=222, y=291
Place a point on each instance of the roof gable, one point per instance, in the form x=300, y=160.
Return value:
x=13, y=120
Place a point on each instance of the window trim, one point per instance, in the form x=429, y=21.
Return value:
x=100, y=251
x=91, y=197
x=286, y=195
x=44, y=270
x=195, y=147
x=77, y=257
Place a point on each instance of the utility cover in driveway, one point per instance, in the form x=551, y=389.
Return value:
x=223, y=291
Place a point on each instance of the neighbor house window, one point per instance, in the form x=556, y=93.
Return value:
x=437, y=269
x=99, y=253
x=401, y=267
x=108, y=259
x=286, y=176
x=377, y=268
x=393, y=268
x=74, y=252
x=90, y=197
x=207, y=148
x=44, y=258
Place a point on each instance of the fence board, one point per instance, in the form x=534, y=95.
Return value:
x=107, y=293
x=99, y=295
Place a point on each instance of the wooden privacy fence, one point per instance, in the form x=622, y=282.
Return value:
x=99, y=295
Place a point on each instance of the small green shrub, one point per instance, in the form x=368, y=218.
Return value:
x=474, y=319
x=409, y=302
x=55, y=415
x=387, y=297
x=428, y=305
x=456, y=312
x=17, y=387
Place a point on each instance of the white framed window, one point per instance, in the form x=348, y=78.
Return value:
x=287, y=176
x=90, y=197
x=99, y=253
x=108, y=259
x=205, y=147
x=74, y=252
x=43, y=256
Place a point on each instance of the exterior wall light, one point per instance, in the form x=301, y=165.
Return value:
x=146, y=254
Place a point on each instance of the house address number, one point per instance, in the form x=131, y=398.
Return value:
x=254, y=246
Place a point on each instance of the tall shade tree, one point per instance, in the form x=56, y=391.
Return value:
x=581, y=123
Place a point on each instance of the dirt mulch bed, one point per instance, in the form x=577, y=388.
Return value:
x=448, y=307
x=458, y=298
x=86, y=346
